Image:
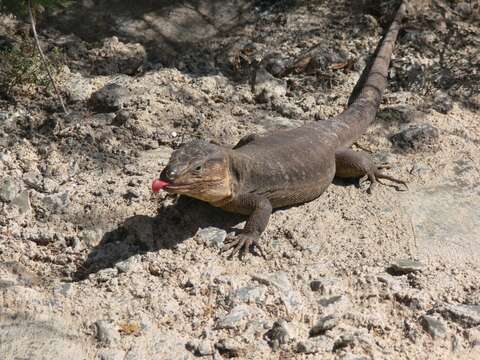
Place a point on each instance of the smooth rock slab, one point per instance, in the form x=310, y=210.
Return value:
x=28, y=337
x=446, y=220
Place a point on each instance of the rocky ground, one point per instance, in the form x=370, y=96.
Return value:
x=95, y=266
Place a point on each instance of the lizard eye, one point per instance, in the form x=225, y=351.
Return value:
x=198, y=167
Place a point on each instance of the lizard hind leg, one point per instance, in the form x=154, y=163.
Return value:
x=358, y=164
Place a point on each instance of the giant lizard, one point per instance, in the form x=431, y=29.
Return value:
x=284, y=167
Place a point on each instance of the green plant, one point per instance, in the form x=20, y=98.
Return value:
x=21, y=66
x=20, y=7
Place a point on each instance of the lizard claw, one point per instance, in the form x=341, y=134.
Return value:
x=240, y=244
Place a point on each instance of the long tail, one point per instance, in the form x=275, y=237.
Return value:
x=366, y=99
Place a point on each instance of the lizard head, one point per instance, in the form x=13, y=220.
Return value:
x=197, y=169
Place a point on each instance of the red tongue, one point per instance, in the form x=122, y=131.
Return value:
x=158, y=185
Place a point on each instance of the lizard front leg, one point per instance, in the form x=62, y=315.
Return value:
x=259, y=209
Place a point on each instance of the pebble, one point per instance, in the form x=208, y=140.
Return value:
x=433, y=326
x=343, y=341
x=278, y=279
x=267, y=88
x=200, y=348
x=405, y=266
x=8, y=189
x=107, y=333
x=211, y=236
x=249, y=294
x=105, y=274
x=230, y=348
x=280, y=333
x=34, y=180
x=56, y=203
x=22, y=202
x=111, y=354
x=415, y=137
x=467, y=315
x=90, y=237
x=234, y=317
x=288, y=110
x=443, y=104
x=110, y=98
x=326, y=285
x=335, y=304
x=325, y=323
x=315, y=345
x=127, y=265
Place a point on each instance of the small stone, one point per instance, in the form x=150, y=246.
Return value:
x=405, y=266
x=234, y=317
x=267, y=88
x=105, y=274
x=107, y=333
x=116, y=57
x=288, y=110
x=474, y=102
x=467, y=315
x=315, y=345
x=133, y=194
x=110, y=98
x=204, y=349
x=90, y=237
x=343, y=341
x=64, y=289
x=249, y=294
x=415, y=137
x=78, y=88
x=200, y=348
x=277, y=122
x=127, y=265
x=326, y=285
x=465, y=8
x=50, y=186
x=22, y=202
x=230, y=348
x=211, y=236
x=473, y=336
x=419, y=169
x=335, y=304
x=111, y=354
x=278, y=279
x=121, y=118
x=443, y=104
x=56, y=203
x=433, y=326
x=325, y=323
x=34, y=180
x=8, y=189
x=280, y=333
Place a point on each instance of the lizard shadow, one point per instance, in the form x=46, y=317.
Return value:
x=140, y=234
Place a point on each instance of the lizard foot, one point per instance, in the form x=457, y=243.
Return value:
x=241, y=243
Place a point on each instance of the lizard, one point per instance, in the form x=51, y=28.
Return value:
x=285, y=167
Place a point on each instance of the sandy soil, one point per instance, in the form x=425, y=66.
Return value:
x=95, y=266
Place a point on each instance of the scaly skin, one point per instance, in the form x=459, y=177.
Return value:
x=286, y=167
